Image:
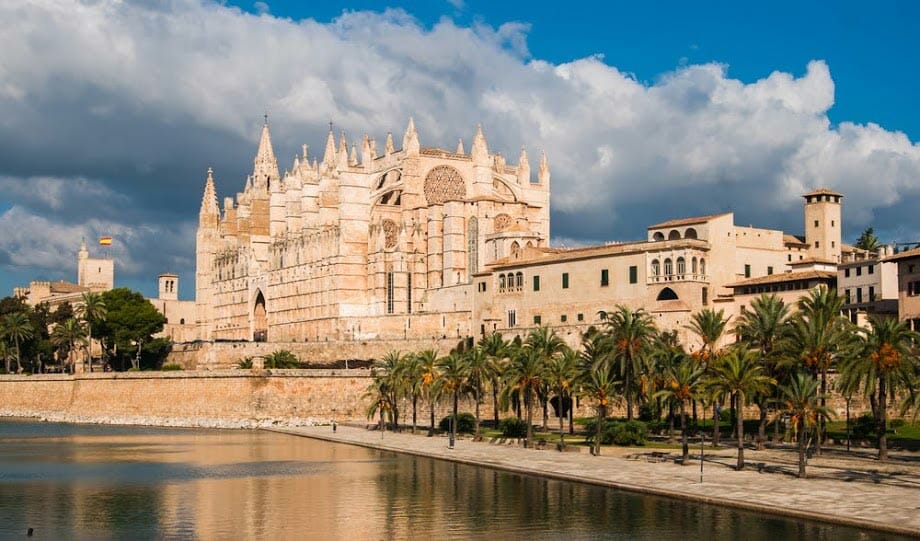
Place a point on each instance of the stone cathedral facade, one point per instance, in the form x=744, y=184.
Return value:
x=362, y=245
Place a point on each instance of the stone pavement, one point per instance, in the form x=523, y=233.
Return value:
x=841, y=490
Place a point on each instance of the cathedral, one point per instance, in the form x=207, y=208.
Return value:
x=365, y=244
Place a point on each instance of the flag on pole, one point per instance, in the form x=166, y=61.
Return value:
x=105, y=241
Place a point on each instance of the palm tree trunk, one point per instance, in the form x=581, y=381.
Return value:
x=561, y=422
x=671, y=421
x=528, y=398
x=762, y=428
x=18, y=361
x=89, y=347
x=571, y=416
x=414, y=411
x=431, y=404
x=629, y=404
x=545, y=402
x=601, y=417
x=685, y=446
x=478, y=434
x=716, y=423
x=800, y=443
x=453, y=426
x=819, y=431
x=739, y=427
x=695, y=420
x=881, y=421
x=495, y=403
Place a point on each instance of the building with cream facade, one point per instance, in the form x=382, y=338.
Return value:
x=371, y=244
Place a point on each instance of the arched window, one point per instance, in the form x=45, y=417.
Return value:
x=690, y=233
x=472, y=247
x=668, y=267
x=681, y=266
x=658, y=236
x=667, y=294
x=694, y=266
x=520, y=280
x=674, y=235
x=702, y=266
x=501, y=282
x=391, y=287
x=515, y=249
x=656, y=267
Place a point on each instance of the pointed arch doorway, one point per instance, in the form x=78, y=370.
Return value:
x=259, y=319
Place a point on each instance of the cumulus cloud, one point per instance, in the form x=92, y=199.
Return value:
x=111, y=111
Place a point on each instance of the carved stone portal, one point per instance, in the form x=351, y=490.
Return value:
x=389, y=234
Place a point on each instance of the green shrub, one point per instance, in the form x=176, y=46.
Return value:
x=863, y=428
x=648, y=412
x=466, y=423
x=619, y=432
x=282, y=359
x=245, y=363
x=171, y=367
x=132, y=369
x=512, y=427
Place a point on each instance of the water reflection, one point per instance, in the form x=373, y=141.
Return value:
x=93, y=482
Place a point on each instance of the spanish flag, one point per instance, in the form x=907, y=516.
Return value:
x=105, y=241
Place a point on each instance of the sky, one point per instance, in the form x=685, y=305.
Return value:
x=112, y=111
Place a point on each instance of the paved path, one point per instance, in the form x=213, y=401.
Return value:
x=843, y=491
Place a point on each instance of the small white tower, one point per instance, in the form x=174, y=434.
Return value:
x=169, y=287
x=822, y=224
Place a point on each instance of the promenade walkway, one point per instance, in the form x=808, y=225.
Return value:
x=841, y=490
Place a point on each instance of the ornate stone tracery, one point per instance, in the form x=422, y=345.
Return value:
x=502, y=222
x=444, y=183
x=390, y=231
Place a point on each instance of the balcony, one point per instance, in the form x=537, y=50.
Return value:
x=671, y=278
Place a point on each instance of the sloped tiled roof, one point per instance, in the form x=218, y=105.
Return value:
x=786, y=277
x=688, y=221
x=904, y=255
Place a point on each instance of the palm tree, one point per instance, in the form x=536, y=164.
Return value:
x=379, y=395
x=820, y=336
x=524, y=377
x=599, y=385
x=453, y=381
x=630, y=331
x=885, y=364
x=17, y=327
x=740, y=374
x=765, y=328
x=6, y=353
x=91, y=311
x=498, y=351
x=428, y=362
x=390, y=370
x=479, y=370
x=561, y=373
x=709, y=326
x=804, y=406
x=684, y=383
x=66, y=336
x=548, y=344
x=411, y=372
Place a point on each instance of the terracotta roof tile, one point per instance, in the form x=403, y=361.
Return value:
x=688, y=221
x=786, y=277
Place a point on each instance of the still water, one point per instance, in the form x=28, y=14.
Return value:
x=106, y=482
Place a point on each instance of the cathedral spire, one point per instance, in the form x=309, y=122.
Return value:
x=543, y=175
x=265, y=166
x=389, y=149
x=410, y=139
x=209, y=209
x=480, y=150
x=342, y=156
x=460, y=149
x=353, y=157
x=523, y=168
x=366, y=151
x=329, y=154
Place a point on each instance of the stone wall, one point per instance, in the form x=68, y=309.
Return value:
x=225, y=355
x=196, y=398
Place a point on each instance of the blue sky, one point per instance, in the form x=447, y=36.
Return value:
x=112, y=111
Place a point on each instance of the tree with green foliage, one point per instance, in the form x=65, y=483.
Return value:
x=739, y=374
x=66, y=337
x=684, y=383
x=498, y=351
x=631, y=332
x=430, y=381
x=480, y=370
x=820, y=336
x=884, y=366
x=806, y=410
x=561, y=375
x=91, y=311
x=453, y=380
x=868, y=241
x=129, y=326
x=599, y=384
x=16, y=329
x=709, y=326
x=765, y=329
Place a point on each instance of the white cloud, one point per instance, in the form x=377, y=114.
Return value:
x=144, y=97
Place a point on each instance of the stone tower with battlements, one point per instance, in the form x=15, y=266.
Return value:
x=364, y=243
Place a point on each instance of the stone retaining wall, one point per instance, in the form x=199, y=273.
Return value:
x=190, y=398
